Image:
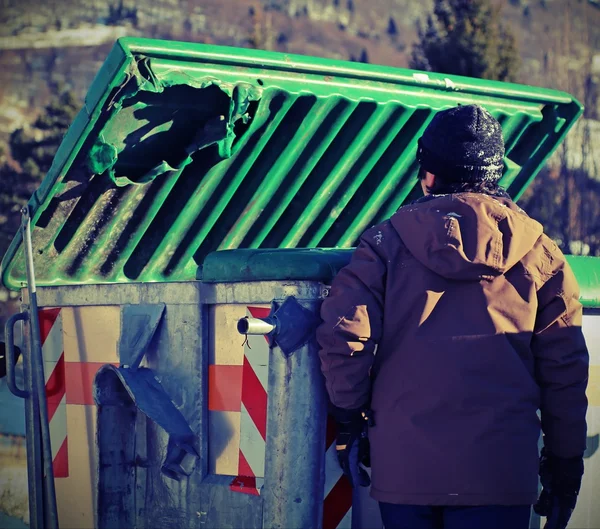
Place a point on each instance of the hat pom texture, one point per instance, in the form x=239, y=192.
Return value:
x=463, y=144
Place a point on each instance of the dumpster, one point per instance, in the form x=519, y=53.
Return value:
x=200, y=186
x=260, y=453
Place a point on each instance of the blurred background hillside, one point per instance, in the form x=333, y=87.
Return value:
x=50, y=52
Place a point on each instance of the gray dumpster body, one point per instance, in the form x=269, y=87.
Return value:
x=200, y=426
x=175, y=419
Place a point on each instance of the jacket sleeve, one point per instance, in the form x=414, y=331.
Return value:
x=561, y=362
x=352, y=325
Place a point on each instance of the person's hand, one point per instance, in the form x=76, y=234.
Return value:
x=561, y=482
x=352, y=445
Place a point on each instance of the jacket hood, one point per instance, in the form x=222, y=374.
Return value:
x=466, y=236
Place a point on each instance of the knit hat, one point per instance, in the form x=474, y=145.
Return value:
x=463, y=144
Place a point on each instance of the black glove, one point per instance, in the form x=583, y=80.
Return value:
x=561, y=481
x=352, y=444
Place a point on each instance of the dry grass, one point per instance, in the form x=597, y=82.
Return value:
x=13, y=484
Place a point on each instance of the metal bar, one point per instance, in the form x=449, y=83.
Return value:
x=510, y=174
x=35, y=483
x=9, y=333
x=86, y=231
x=311, y=163
x=277, y=173
x=138, y=326
x=387, y=187
x=120, y=224
x=514, y=126
x=107, y=239
x=349, y=192
x=336, y=177
x=39, y=386
x=296, y=422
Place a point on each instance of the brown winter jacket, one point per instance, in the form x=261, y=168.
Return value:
x=458, y=319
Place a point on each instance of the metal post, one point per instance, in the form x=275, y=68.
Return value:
x=295, y=457
x=35, y=482
x=38, y=386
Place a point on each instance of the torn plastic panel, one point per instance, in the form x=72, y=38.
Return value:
x=124, y=388
x=121, y=391
x=139, y=323
x=157, y=125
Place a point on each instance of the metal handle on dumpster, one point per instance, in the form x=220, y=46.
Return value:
x=289, y=325
x=255, y=326
x=9, y=335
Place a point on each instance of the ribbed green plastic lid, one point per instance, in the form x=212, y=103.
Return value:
x=183, y=149
x=322, y=264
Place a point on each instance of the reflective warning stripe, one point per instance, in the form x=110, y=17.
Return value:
x=247, y=485
x=67, y=383
x=253, y=409
x=54, y=374
x=58, y=428
x=239, y=384
x=337, y=504
x=252, y=447
x=80, y=381
x=333, y=472
x=224, y=387
x=78, y=341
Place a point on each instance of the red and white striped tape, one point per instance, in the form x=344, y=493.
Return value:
x=252, y=405
x=337, y=509
x=56, y=393
x=337, y=506
x=253, y=419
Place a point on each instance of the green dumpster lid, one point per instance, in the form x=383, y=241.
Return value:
x=587, y=272
x=277, y=264
x=322, y=264
x=182, y=149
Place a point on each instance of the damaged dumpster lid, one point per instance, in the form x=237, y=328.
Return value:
x=182, y=149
